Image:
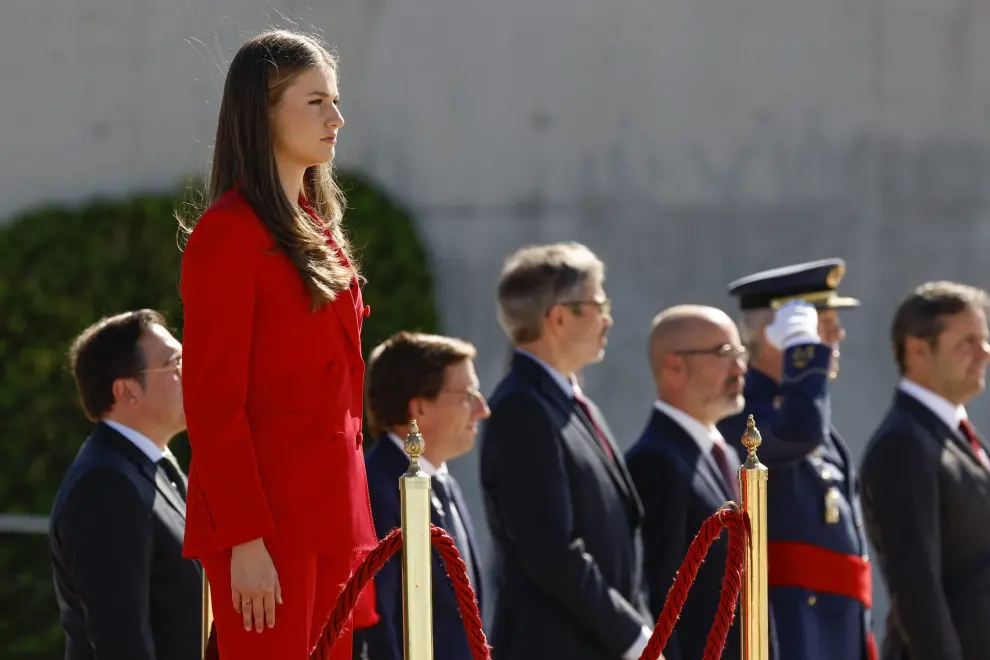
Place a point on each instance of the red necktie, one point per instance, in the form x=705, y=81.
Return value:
x=581, y=401
x=718, y=453
x=969, y=432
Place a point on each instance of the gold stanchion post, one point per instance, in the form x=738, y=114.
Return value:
x=207, y=615
x=755, y=609
x=417, y=583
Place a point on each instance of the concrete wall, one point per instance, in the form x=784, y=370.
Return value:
x=688, y=142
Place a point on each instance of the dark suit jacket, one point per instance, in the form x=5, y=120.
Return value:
x=565, y=523
x=926, y=499
x=124, y=590
x=681, y=488
x=383, y=641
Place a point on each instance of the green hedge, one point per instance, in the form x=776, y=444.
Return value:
x=62, y=268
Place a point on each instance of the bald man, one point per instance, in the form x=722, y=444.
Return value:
x=683, y=468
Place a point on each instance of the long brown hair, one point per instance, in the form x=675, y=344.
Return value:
x=243, y=157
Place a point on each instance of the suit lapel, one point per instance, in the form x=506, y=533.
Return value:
x=124, y=446
x=665, y=429
x=165, y=488
x=613, y=464
x=535, y=373
x=713, y=476
x=458, y=496
x=932, y=422
x=344, y=307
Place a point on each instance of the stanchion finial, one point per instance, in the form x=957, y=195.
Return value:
x=415, y=445
x=751, y=438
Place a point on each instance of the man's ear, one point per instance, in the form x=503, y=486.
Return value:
x=556, y=317
x=125, y=391
x=416, y=408
x=674, y=366
x=917, y=348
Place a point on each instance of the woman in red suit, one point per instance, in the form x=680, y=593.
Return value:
x=278, y=510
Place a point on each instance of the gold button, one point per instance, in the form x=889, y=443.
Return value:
x=825, y=474
x=866, y=558
x=812, y=600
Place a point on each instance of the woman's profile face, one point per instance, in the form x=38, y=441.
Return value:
x=306, y=119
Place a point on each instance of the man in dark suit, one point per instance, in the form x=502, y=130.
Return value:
x=124, y=590
x=926, y=481
x=818, y=569
x=564, y=515
x=431, y=379
x=682, y=467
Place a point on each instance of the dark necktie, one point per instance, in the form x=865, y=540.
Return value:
x=728, y=474
x=174, y=475
x=969, y=432
x=599, y=434
x=456, y=526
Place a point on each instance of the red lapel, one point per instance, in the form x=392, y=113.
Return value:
x=345, y=305
x=346, y=309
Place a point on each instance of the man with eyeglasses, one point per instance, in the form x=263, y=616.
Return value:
x=124, y=589
x=683, y=469
x=429, y=378
x=563, y=511
x=819, y=572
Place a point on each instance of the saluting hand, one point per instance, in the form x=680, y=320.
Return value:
x=254, y=587
x=796, y=322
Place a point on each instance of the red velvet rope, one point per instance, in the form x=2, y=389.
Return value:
x=736, y=522
x=731, y=518
x=456, y=569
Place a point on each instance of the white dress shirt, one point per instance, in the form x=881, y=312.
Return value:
x=141, y=441
x=704, y=437
x=950, y=413
x=145, y=444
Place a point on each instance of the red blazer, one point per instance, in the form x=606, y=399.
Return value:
x=273, y=399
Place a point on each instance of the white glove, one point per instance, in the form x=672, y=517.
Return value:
x=796, y=322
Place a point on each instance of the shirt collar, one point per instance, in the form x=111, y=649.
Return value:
x=705, y=437
x=428, y=468
x=946, y=411
x=568, y=386
x=139, y=440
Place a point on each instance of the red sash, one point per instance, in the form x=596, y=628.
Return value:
x=814, y=568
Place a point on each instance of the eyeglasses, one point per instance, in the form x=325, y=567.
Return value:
x=723, y=351
x=174, y=365
x=604, y=306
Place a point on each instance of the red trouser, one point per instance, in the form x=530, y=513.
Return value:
x=310, y=586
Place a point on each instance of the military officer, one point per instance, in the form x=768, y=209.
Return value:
x=819, y=572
